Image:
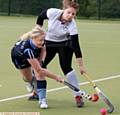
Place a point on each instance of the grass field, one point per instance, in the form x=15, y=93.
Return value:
x=100, y=42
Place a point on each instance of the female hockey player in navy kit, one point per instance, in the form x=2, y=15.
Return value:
x=62, y=38
x=27, y=53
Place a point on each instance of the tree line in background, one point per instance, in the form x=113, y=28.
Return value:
x=88, y=8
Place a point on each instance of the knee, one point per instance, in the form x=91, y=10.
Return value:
x=66, y=69
x=39, y=76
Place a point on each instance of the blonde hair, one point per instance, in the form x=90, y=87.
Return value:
x=70, y=3
x=37, y=31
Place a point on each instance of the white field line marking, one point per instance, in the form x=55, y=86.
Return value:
x=60, y=88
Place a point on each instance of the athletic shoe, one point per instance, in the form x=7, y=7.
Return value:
x=33, y=97
x=43, y=104
x=79, y=101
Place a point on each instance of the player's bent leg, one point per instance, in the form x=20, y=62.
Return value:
x=30, y=81
x=34, y=95
x=72, y=78
x=42, y=83
x=41, y=90
x=27, y=77
x=65, y=58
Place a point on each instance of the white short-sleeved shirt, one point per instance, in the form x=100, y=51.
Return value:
x=57, y=31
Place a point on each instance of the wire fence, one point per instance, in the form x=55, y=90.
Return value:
x=88, y=8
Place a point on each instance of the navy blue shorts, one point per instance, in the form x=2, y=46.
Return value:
x=18, y=61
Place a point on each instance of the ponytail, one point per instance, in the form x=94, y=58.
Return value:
x=37, y=31
x=25, y=36
x=33, y=33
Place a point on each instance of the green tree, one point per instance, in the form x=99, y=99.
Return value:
x=111, y=8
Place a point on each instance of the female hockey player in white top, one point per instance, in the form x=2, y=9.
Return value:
x=62, y=38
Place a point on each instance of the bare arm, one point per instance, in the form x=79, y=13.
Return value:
x=43, y=72
x=81, y=65
x=78, y=52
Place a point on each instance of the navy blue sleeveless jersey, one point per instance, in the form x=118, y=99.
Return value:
x=23, y=50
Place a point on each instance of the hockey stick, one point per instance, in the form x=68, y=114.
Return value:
x=82, y=93
x=101, y=94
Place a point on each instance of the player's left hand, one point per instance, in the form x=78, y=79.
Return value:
x=82, y=70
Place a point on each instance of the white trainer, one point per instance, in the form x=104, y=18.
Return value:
x=43, y=104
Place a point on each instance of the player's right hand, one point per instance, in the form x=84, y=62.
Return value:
x=59, y=79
